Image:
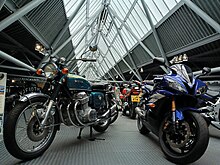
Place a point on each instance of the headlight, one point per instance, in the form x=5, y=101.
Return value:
x=175, y=85
x=50, y=71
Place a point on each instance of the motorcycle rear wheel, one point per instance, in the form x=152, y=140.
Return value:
x=132, y=111
x=22, y=136
x=141, y=127
x=189, y=142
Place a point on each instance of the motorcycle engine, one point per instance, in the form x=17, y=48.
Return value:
x=78, y=112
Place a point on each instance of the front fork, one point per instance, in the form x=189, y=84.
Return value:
x=51, y=102
x=173, y=109
x=175, y=122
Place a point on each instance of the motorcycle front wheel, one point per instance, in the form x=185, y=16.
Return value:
x=23, y=137
x=187, y=142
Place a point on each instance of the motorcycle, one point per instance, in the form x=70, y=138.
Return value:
x=31, y=125
x=171, y=114
x=124, y=96
x=210, y=102
x=131, y=99
x=135, y=96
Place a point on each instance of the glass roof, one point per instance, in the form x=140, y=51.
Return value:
x=100, y=22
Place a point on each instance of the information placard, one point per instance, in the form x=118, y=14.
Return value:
x=3, y=78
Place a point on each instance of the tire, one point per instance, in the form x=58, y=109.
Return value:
x=142, y=129
x=102, y=127
x=30, y=142
x=195, y=143
x=132, y=111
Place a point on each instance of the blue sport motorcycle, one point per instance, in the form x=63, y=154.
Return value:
x=170, y=113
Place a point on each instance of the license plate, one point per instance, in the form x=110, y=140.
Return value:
x=135, y=98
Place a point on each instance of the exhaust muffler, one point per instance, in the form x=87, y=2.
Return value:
x=139, y=112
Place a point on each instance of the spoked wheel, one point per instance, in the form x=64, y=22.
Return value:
x=188, y=142
x=23, y=136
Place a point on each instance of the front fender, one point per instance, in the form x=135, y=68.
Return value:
x=179, y=112
x=30, y=96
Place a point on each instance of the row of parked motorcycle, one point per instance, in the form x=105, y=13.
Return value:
x=176, y=107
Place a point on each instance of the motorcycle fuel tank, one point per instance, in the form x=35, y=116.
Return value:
x=76, y=82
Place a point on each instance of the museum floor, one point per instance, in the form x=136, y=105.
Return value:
x=122, y=144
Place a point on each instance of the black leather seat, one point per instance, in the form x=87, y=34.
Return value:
x=99, y=86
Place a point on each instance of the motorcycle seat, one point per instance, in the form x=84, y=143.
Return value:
x=99, y=86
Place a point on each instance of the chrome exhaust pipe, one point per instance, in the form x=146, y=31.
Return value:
x=139, y=112
x=112, y=110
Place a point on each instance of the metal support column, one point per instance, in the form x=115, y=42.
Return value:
x=19, y=13
x=154, y=31
x=15, y=61
x=2, y=4
x=203, y=15
x=138, y=40
x=103, y=56
x=89, y=42
x=137, y=74
x=77, y=31
x=66, y=26
x=19, y=45
x=109, y=50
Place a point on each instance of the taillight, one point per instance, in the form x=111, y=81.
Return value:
x=136, y=92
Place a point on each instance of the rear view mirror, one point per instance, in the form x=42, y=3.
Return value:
x=206, y=70
x=159, y=60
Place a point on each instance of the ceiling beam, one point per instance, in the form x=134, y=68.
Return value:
x=15, y=61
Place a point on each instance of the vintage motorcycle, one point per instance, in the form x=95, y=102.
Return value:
x=171, y=114
x=70, y=99
x=210, y=103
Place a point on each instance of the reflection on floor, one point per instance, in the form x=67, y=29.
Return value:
x=123, y=145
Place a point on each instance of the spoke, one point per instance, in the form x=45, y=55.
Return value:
x=25, y=137
x=25, y=118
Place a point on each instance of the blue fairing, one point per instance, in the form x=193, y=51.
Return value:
x=166, y=93
x=199, y=84
x=179, y=112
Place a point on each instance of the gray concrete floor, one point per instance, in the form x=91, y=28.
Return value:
x=123, y=145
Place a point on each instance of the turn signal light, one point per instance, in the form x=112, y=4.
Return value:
x=39, y=72
x=65, y=71
x=151, y=105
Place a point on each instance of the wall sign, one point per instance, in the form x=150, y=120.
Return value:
x=3, y=78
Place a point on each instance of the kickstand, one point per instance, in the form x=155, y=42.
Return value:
x=91, y=138
x=80, y=132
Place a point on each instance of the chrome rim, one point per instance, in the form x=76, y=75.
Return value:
x=28, y=136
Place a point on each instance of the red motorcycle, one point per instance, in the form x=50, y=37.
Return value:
x=131, y=98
